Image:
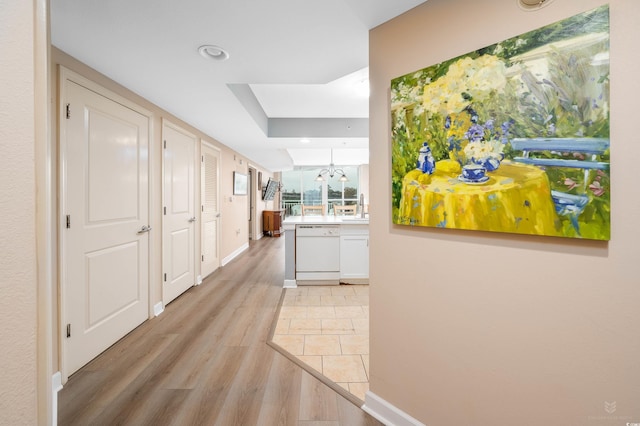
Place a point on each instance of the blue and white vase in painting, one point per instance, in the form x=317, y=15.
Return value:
x=426, y=163
x=489, y=163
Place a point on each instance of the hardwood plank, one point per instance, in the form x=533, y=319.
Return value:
x=204, y=406
x=205, y=361
x=317, y=400
x=242, y=405
x=101, y=390
x=317, y=423
x=282, y=394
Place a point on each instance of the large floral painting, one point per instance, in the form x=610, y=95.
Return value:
x=513, y=137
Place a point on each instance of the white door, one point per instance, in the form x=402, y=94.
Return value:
x=252, y=203
x=179, y=211
x=210, y=178
x=104, y=214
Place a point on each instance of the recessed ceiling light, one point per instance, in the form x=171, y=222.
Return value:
x=210, y=51
x=305, y=140
x=532, y=4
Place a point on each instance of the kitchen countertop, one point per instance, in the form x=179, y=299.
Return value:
x=325, y=220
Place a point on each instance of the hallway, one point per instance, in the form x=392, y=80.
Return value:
x=205, y=361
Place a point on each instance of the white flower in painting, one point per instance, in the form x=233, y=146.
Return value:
x=466, y=80
x=482, y=150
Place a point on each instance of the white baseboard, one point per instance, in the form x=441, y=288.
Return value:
x=199, y=280
x=158, y=308
x=56, y=386
x=290, y=284
x=387, y=413
x=235, y=254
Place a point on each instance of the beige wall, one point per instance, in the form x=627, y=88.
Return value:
x=18, y=283
x=235, y=221
x=473, y=328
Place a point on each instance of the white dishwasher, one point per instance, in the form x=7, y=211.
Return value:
x=318, y=254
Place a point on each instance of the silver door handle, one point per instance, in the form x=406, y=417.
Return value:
x=144, y=229
x=193, y=219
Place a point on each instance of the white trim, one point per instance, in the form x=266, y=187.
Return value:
x=210, y=145
x=386, y=412
x=290, y=284
x=56, y=386
x=235, y=254
x=199, y=280
x=330, y=277
x=158, y=308
x=45, y=208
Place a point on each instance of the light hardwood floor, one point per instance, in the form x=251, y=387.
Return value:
x=205, y=361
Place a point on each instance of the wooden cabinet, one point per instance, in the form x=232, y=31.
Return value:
x=272, y=222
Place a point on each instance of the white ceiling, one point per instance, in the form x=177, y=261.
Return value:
x=297, y=69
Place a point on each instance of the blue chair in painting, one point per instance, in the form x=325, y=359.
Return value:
x=569, y=205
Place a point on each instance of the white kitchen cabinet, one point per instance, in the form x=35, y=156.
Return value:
x=354, y=254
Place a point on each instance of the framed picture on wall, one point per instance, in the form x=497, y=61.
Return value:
x=529, y=115
x=239, y=183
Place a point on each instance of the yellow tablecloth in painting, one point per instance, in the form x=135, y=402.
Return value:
x=516, y=198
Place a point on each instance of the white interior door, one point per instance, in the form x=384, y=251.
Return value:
x=179, y=211
x=104, y=207
x=210, y=182
x=252, y=202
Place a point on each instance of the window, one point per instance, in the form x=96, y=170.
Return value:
x=300, y=186
x=343, y=193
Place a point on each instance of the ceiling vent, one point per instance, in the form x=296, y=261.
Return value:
x=533, y=4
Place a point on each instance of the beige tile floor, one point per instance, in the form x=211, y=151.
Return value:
x=327, y=328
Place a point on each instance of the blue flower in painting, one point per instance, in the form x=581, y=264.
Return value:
x=505, y=128
x=472, y=112
x=489, y=125
x=447, y=122
x=475, y=133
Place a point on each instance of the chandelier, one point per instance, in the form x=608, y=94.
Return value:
x=331, y=171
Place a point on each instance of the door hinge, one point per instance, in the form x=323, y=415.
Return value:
x=165, y=210
x=202, y=208
x=202, y=159
x=165, y=277
x=68, y=221
x=165, y=144
x=68, y=111
x=203, y=257
x=68, y=330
